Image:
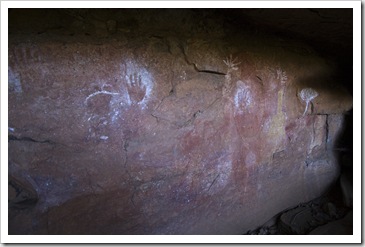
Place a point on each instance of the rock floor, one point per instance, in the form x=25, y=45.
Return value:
x=326, y=215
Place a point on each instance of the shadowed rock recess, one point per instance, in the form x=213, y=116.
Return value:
x=165, y=121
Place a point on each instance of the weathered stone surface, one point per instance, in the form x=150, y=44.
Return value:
x=301, y=220
x=160, y=134
x=323, y=213
x=343, y=226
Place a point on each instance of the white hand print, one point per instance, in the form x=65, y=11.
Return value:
x=136, y=88
x=138, y=84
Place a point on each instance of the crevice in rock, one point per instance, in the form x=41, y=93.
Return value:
x=125, y=149
x=161, y=102
x=215, y=179
x=321, y=15
x=21, y=197
x=171, y=93
x=28, y=139
x=191, y=120
x=196, y=66
x=133, y=180
x=327, y=127
x=210, y=71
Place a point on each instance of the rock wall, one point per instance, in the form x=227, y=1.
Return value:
x=125, y=127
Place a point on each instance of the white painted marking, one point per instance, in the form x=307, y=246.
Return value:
x=138, y=79
x=14, y=82
x=281, y=75
x=307, y=95
x=243, y=97
x=99, y=92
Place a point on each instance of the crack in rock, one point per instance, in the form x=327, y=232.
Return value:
x=28, y=139
x=196, y=67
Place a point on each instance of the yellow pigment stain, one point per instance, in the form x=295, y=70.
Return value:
x=277, y=126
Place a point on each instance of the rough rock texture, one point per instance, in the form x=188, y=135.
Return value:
x=340, y=227
x=123, y=128
x=327, y=214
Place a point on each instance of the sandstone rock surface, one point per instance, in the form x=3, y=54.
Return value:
x=132, y=132
x=340, y=227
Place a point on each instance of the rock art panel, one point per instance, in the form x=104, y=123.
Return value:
x=152, y=134
x=139, y=84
